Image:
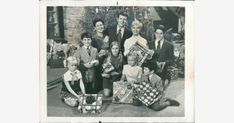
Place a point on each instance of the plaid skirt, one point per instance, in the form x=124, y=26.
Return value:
x=69, y=98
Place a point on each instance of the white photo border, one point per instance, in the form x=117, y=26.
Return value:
x=189, y=61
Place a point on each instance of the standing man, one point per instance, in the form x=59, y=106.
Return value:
x=163, y=54
x=119, y=32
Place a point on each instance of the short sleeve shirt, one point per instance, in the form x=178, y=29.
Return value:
x=68, y=75
x=132, y=73
x=68, y=78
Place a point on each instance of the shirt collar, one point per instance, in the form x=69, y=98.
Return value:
x=161, y=42
x=87, y=47
x=122, y=29
x=136, y=36
x=76, y=71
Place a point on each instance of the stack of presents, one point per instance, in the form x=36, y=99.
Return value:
x=125, y=92
x=57, y=50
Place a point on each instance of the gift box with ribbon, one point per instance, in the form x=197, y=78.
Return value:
x=146, y=93
x=90, y=103
x=173, y=72
x=122, y=92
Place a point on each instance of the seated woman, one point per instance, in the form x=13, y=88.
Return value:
x=112, y=68
x=136, y=28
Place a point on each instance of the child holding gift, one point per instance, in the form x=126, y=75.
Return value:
x=88, y=56
x=131, y=72
x=73, y=86
x=155, y=82
x=112, y=68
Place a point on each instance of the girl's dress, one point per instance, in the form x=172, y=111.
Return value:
x=133, y=73
x=116, y=64
x=65, y=95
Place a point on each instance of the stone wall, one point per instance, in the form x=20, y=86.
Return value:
x=73, y=23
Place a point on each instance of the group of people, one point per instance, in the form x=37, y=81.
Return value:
x=104, y=58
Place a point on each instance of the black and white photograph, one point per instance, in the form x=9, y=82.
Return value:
x=114, y=61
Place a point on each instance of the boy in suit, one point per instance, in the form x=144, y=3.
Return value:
x=155, y=82
x=163, y=54
x=88, y=56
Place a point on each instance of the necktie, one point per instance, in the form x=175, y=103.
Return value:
x=89, y=51
x=119, y=35
x=158, y=46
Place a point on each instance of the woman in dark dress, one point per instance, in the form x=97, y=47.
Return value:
x=101, y=42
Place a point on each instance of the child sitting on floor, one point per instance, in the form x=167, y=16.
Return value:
x=112, y=68
x=131, y=72
x=156, y=82
x=73, y=86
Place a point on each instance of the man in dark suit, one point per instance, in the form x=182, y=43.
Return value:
x=163, y=54
x=119, y=32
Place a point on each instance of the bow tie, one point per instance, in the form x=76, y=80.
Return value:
x=74, y=73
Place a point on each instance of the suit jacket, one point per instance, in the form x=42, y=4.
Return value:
x=82, y=54
x=166, y=53
x=112, y=32
x=84, y=57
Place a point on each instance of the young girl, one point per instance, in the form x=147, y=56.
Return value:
x=155, y=82
x=112, y=68
x=73, y=86
x=131, y=72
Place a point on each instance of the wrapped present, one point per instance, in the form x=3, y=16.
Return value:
x=107, y=67
x=142, y=53
x=90, y=103
x=173, y=72
x=146, y=93
x=122, y=92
